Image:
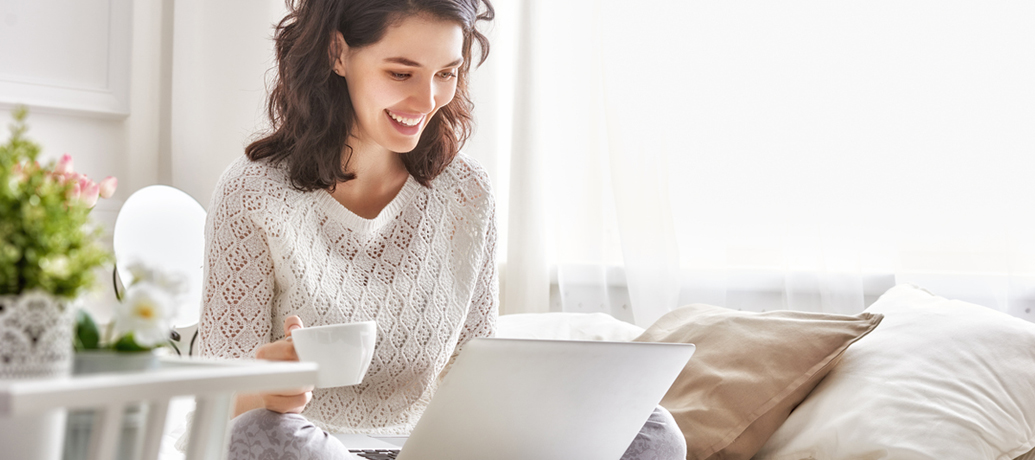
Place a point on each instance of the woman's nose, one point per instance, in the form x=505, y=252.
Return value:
x=424, y=96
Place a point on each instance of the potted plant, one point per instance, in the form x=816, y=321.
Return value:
x=49, y=249
x=142, y=323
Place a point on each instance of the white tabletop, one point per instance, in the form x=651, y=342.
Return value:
x=212, y=382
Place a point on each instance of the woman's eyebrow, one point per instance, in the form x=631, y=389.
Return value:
x=411, y=63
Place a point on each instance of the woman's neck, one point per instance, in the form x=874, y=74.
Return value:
x=380, y=175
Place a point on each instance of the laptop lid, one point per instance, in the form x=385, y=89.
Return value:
x=519, y=399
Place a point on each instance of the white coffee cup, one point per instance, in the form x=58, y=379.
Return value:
x=342, y=351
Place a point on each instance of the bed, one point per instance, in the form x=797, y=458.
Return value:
x=915, y=376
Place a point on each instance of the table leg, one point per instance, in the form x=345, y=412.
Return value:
x=107, y=426
x=208, y=432
x=156, y=414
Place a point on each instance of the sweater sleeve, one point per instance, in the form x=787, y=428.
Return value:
x=484, y=308
x=239, y=277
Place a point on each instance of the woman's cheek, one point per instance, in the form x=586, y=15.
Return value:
x=448, y=97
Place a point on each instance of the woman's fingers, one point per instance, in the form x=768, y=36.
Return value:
x=291, y=323
x=292, y=391
x=290, y=401
x=287, y=403
x=281, y=350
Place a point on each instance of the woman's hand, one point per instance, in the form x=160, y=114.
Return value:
x=290, y=401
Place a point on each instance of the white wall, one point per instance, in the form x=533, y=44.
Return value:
x=195, y=84
x=186, y=98
x=102, y=143
x=221, y=54
x=188, y=90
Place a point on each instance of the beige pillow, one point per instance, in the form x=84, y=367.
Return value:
x=750, y=370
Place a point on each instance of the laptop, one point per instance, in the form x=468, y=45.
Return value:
x=521, y=399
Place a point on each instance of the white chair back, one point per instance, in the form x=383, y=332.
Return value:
x=164, y=227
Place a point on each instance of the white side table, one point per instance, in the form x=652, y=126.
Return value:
x=213, y=384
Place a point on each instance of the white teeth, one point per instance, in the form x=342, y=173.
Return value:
x=405, y=121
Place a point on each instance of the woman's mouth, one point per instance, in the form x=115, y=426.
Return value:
x=405, y=123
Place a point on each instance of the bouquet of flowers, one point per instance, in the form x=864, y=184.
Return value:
x=47, y=242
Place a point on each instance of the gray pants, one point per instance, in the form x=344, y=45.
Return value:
x=261, y=434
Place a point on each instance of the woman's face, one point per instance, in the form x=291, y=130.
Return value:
x=400, y=82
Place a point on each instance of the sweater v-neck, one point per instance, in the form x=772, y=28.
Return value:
x=363, y=225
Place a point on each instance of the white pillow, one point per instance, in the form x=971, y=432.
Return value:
x=937, y=379
x=566, y=326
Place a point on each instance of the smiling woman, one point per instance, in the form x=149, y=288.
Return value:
x=358, y=206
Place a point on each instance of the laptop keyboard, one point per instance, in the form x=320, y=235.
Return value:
x=377, y=454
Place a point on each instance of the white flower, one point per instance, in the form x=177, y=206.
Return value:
x=140, y=273
x=147, y=312
x=149, y=306
x=174, y=284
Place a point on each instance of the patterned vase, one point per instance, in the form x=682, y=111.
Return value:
x=35, y=343
x=35, y=336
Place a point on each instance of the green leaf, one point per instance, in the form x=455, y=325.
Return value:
x=128, y=343
x=87, y=336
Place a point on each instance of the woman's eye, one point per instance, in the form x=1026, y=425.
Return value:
x=447, y=75
x=399, y=76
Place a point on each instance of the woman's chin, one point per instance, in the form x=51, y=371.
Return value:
x=403, y=145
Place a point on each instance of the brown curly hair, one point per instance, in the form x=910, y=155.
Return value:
x=311, y=114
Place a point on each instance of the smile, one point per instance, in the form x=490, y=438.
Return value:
x=403, y=120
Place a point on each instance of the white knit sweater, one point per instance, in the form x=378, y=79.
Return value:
x=424, y=270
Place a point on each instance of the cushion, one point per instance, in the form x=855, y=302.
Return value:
x=750, y=370
x=566, y=326
x=938, y=379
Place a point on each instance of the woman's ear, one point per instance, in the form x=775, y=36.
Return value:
x=338, y=51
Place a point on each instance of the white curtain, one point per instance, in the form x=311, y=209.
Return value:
x=756, y=155
x=805, y=155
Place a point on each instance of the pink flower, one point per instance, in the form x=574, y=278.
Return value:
x=18, y=172
x=75, y=191
x=89, y=193
x=64, y=165
x=108, y=186
x=82, y=189
x=84, y=182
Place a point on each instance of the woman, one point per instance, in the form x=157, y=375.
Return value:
x=357, y=206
